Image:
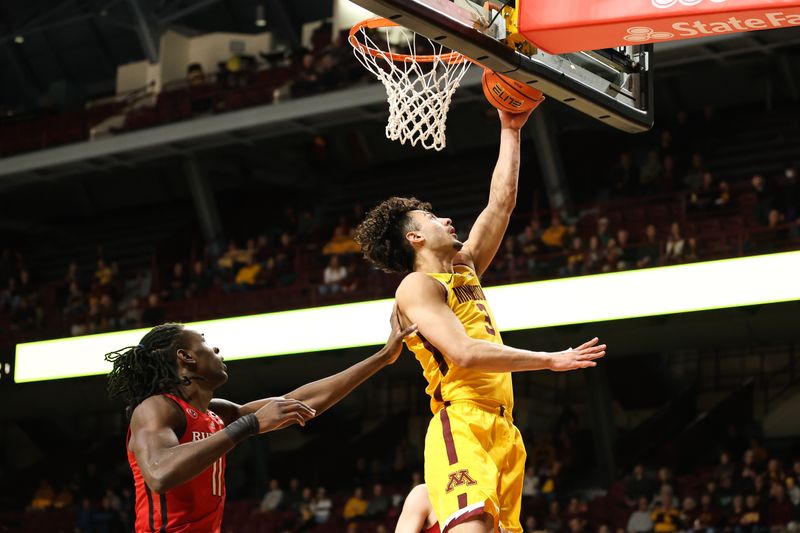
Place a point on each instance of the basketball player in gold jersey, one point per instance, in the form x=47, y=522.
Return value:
x=474, y=456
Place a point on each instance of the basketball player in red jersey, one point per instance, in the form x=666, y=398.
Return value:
x=417, y=515
x=179, y=434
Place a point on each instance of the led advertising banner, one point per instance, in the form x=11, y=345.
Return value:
x=577, y=25
x=586, y=299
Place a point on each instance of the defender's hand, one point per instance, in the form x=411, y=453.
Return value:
x=394, y=346
x=279, y=413
x=581, y=357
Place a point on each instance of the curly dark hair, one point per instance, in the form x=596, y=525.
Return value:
x=382, y=234
x=147, y=369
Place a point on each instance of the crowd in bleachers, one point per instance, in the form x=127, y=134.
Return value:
x=747, y=491
x=241, y=81
x=661, y=204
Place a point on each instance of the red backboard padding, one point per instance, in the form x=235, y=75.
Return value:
x=561, y=26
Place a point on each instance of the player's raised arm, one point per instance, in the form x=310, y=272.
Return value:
x=420, y=299
x=487, y=233
x=165, y=463
x=322, y=394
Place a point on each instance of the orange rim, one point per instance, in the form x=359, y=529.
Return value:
x=380, y=22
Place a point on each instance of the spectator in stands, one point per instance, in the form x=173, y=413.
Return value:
x=551, y=480
x=576, y=258
x=780, y=511
x=708, y=515
x=703, y=198
x=576, y=525
x=200, y=280
x=154, y=314
x=378, y=505
x=725, y=467
x=293, y=496
x=648, y=252
x=341, y=243
x=43, y=497
x=248, y=275
x=666, y=518
x=505, y=263
x=232, y=258
x=553, y=236
x=106, y=519
x=693, y=180
x=102, y=273
x=321, y=507
x=753, y=518
x=530, y=484
x=764, y=198
x=602, y=232
x=195, y=75
x=25, y=316
x=651, y=173
x=333, y=278
x=177, y=284
x=627, y=253
x=554, y=521
x=638, y=485
x=594, y=255
x=723, y=197
x=107, y=314
x=665, y=497
x=688, y=513
x=273, y=498
x=356, y=505
x=624, y=176
x=9, y=297
x=611, y=256
x=130, y=315
x=691, y=253
x=64, y=498
x=84, y=518
x=641, y=520
x=575, y=509
x=735, y=513
x=726, y=492
x=529, y=525
x=673, y=252
x=306, y=509
x=529, y=242
x=306, y=82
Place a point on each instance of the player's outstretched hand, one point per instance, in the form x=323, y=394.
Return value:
x=576, y=358
x=279, y=413
x=514, y=121
x=394, y=346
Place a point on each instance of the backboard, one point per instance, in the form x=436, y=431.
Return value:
x=613, y=85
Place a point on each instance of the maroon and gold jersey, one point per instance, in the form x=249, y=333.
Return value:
x=197, y=505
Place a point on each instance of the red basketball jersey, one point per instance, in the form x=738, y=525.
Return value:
x=433, y=529
x=197, y=505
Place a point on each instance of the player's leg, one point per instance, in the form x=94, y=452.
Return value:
x=510, y=484
x=461, y=476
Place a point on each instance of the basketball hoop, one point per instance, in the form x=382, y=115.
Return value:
x=419, y=87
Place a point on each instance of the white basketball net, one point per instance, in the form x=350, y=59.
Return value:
x=419, y=92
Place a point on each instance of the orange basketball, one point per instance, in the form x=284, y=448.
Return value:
x=509, y=95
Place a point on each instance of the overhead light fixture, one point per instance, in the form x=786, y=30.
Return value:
x=261, y=20
x=19, y=39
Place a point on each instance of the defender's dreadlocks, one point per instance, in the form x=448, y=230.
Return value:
x=382, y=234
x=147, y=369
